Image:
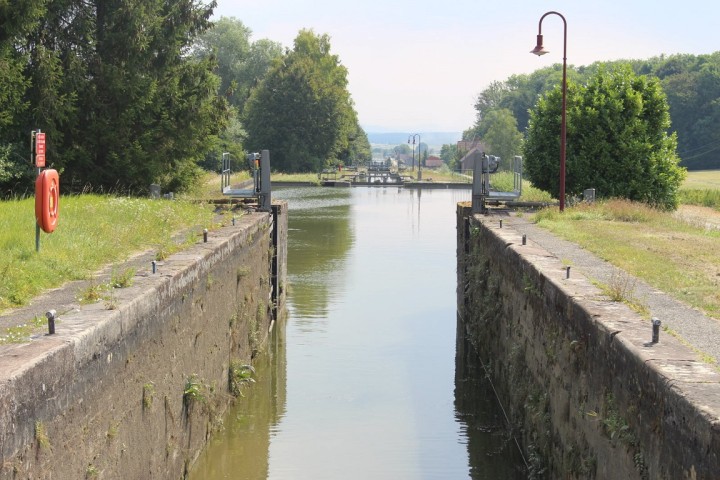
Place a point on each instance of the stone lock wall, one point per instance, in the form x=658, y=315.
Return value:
x=585, y=390
x=135, y=392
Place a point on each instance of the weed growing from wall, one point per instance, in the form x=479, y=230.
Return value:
x=194, y=391
x=41, y=436
x=621, y=288
x=254, y=328
x=530, y=287
x=242, y=272
x=148, y=395
x=122, y=279
x=618, y=431
x=93, y=293
x=579, y=465
x=240, y=375
x=113, y=430
x=483, y=303
x=91, y=471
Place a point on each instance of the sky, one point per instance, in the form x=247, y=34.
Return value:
x=417, y=66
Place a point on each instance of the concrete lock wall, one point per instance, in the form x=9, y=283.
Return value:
x=582, y=385
x=135, y=392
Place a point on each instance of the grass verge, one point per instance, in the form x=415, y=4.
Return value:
x=672, y=255
x=93, y=230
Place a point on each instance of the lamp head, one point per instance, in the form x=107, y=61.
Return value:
x=539, y=49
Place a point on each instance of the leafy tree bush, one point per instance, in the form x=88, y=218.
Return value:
x=691, y=83
x=498, y=130
x=112, y=85
x=302, y=111
x=617, y=140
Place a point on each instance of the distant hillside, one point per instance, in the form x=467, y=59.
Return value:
x=430, y=138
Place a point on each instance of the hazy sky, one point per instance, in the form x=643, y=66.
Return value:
x=417, y=66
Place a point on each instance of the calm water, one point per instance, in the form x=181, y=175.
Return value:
x=362, y=380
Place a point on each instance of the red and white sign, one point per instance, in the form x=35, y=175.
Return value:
x=40, y=150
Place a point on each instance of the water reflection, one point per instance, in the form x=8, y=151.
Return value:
x=319, y=242
x=367, y=357
x=492, y=449
x=240, y=449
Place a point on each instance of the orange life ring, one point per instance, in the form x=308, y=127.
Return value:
x=47, y=200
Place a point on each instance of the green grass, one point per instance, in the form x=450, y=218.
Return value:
x=674, y=256
x=22, y=333
x=295, y=177
x=703, y=198
x=701, y=188
x=702, y=180
x=503, y=182
x=93, y=230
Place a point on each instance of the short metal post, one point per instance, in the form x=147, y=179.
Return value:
x=233, y=221
x=500, y=223
x=205, y=232
x=567, y=272
x=524, y=239
x=154, y=267
x=656, y=329
x=51, y=321
x=265, y=186
x=477, y=191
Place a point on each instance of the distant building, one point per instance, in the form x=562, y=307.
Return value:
x=433, y=161
x=464, y=146
x=468, y=161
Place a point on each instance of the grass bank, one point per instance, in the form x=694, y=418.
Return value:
x=678, y=257
x=701, y=188
x=93, y=231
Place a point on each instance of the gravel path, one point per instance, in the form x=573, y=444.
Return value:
x=693, y=326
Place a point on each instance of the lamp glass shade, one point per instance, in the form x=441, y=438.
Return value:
x=539, y=49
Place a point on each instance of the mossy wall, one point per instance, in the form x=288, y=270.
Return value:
x=136, y=392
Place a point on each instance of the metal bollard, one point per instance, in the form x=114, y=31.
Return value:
x=154, y=266
x=205, y=231
x=567, y=272
x=524, y=241
x=51, y=321
x=500, y=223
x=656, y=329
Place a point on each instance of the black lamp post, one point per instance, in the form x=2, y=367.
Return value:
x=540, y=50
x=419, y=153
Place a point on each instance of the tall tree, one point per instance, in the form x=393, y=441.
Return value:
x=501, y=135
x=155, y=108
x=691, y=83
x=18, y=19
x=357, y=151
x=302, y=110
x=450, y=156
x=490, y=99
x=242, y=64
x=229, y=42
x=114, y=86
x=617, y=140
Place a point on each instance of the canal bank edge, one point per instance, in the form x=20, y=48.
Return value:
x=136, y=389
x=583, y=386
